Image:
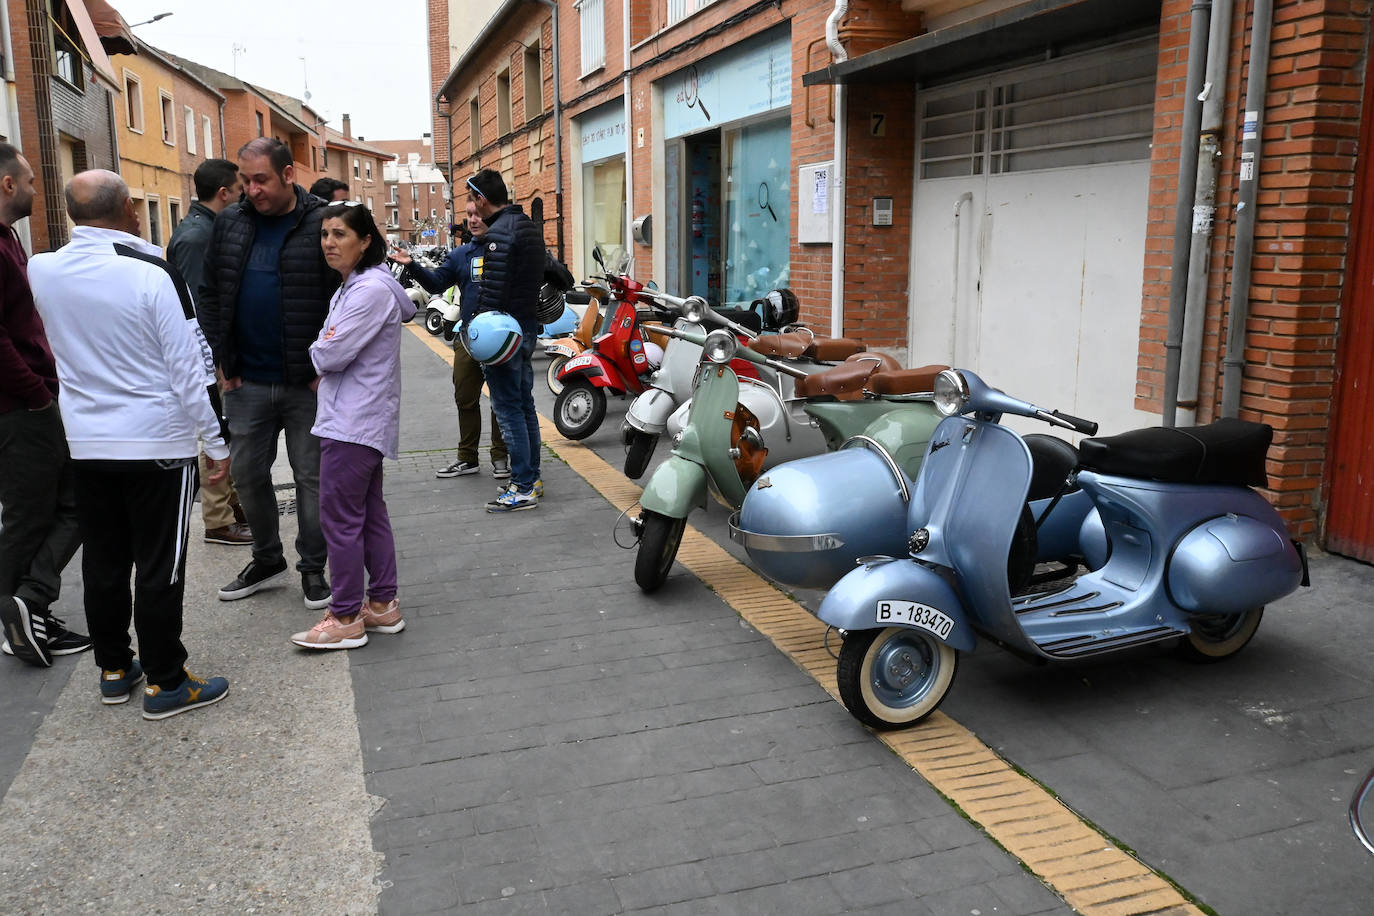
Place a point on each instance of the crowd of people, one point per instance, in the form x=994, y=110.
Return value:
x=130, y=380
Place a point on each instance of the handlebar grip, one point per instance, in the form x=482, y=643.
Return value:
x=1087, y=427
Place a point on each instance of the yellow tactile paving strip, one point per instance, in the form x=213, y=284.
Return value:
x=1093, y=875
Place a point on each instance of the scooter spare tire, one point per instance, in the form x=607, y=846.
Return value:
x=556, y=362
x=658, y=543
x=894, y=677
x=1216, y=637
x=434, y=321
x=637, y=455
x=579, y=409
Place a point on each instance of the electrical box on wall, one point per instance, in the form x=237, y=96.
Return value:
x=882, y=211
x=815, y=197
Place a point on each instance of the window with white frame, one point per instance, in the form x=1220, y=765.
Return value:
x=209, y=135
x=173, y=213
x=368, y=170
x=679, y=9
x=190, y=130
x=169, y=119
x=154, y=220
x=534, y=82
x=355, y=169
x=133, y=102
x=592, y=25
x=415, y=215
x=369, y=203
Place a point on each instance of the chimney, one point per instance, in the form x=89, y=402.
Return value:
x=347, y=127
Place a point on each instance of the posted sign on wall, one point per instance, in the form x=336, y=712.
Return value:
x=748, y=79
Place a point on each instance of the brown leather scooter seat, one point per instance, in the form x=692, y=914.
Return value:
x=799, y=344
x=906, y=381
x=846, y=381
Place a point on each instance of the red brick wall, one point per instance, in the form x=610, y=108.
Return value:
x=1311, y=122
x=439, y=66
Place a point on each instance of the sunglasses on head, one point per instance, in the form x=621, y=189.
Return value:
x=345, y=203
x=473, y=188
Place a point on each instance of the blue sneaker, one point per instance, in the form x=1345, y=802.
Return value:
x=193, y=693
x=513, y=500
x=115, y=686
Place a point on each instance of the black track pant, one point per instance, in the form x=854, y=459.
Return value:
x=133, y=517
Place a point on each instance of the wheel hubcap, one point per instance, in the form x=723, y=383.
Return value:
x=578, y=407
x=902, y=671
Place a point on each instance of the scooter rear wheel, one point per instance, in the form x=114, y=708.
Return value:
x=434, y=321
x=1215, y=637
x=895, y=677
x=579, y=409
x=638, y=453
x=658, y=543
x=556, y=362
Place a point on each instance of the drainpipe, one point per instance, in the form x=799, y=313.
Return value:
x=557, y=128
x=1183, y=210
x=1204, y=212
x=1256, y=84
x=629, y=142
x=837, y=174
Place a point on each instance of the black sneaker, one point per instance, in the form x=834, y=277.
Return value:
x=61, y=641
x=458, y=469
x=317, y=593
x=255, y=576
x=26, y=632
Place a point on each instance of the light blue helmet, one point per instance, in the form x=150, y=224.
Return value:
x=492, y=338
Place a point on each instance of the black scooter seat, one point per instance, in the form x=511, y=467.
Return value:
x=1229, y=451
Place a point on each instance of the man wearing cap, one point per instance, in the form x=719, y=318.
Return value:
x=512, y=270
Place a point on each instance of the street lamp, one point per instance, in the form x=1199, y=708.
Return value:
x=154, y=19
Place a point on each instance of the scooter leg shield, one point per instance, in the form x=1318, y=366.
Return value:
x=677, y=487
x=650, y=411
x=882, y=593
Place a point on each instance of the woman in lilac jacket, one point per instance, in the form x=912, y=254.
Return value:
x=358, y=358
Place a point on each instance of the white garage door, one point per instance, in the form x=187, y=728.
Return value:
x=1029, y=237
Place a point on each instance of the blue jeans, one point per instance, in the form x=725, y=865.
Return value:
x=257, y=414
x=511, y=387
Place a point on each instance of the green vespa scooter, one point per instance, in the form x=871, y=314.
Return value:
x=722, y=448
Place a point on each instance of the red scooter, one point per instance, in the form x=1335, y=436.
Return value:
x=617, y=362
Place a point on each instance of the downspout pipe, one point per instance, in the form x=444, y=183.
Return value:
x=1183, y=210
x=557, y=127
x=1256, y=85
x=837, y=174
x=1204, y=212
x=629, y=142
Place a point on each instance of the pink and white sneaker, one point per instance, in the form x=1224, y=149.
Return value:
x=333, y=633
x=387, y=621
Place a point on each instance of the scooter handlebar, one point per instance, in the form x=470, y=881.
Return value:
x=1068, y=421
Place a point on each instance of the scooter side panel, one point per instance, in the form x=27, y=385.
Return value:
x=856, y=602
x=905, y=431
x=649, y=412
x=1231, y=565
x=677, y=486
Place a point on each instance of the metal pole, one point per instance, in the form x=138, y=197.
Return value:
x=1256, y=85
x=1187, y=190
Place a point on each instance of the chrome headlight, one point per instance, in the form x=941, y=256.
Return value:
x=694, y=309
x=951, y=392
x=721, y=346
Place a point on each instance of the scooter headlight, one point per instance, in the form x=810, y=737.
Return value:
x=951, y=392
x=721, y=346
x=694, y=309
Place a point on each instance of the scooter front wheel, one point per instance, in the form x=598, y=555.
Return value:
x=658, y=543
x=1219, y=636
x=638, y=453
x=434, y=321
x=895, y=677
x=579, y=409
x=556, y=362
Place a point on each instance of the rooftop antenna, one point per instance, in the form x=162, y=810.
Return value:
x=238, y=49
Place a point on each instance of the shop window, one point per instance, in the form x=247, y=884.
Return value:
x=1085, y=110
x=503, y=109
x=603, y=213
x=758, y=211
x=591, y=23
x=133, y=102
x=534, y=83
x=191, y=131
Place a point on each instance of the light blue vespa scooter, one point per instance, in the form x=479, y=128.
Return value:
x=1183, y=550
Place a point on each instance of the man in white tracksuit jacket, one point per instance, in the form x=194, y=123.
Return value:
x=137, y=381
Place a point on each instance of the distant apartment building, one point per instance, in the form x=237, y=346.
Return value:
x=417, y=206
x=358, y=164
x=453, y=27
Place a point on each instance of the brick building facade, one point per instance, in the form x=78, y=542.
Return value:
x=358, y=164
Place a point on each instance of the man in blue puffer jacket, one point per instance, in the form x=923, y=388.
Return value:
x=463, y=268
x=512, y=272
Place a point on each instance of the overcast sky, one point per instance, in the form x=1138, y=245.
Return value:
x=364, y=58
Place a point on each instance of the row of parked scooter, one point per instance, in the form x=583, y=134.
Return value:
x=901, y=492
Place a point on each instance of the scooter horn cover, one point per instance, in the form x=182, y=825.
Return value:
x=492, y=338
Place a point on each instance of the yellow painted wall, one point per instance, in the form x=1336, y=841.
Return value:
x=149, y=163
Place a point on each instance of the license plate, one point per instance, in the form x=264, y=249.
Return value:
x=577, y=363
x=914, y=614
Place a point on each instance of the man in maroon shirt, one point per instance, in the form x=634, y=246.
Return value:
x=38, y=531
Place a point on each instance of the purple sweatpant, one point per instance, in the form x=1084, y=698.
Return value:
x=357, y=528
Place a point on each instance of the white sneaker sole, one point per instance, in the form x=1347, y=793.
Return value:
x=274, y=579
x=341, y=644
x=396, y=627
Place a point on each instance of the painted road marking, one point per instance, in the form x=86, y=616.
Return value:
x=1091, y=873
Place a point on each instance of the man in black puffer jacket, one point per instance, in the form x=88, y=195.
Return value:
x=512, y=271
x=263, y=297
